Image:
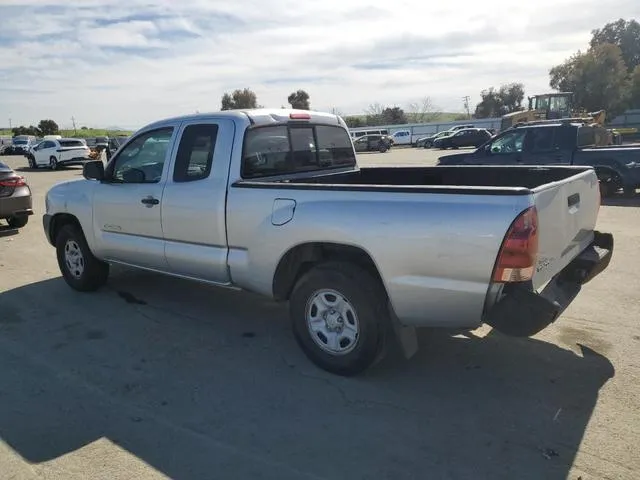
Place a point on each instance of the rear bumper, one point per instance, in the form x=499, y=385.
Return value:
x=15, y=206
x=75, y=161
x=523, y=312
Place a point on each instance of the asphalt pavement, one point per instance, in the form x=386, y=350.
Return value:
x=153, y=377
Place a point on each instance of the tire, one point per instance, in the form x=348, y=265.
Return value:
x=427, y=145
x=32, y=163
x=90, y=273
x=365, y=304
x=382, y=149
x=53, y=163
x=18, y=222
x=609, y=183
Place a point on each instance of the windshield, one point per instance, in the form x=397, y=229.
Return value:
x=284, y=149
x=20, y=142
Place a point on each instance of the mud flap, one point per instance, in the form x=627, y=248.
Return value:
x=522, y=312
x=406, y=335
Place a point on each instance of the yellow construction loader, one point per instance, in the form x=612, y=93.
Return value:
x=560, y=105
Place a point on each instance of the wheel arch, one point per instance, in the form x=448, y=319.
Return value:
x=299, y=259
x=58, y=221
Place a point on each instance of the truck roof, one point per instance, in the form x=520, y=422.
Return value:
x=259, y=116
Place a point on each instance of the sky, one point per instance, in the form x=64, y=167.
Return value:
x=127, y=63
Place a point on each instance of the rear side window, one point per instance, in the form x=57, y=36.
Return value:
x=69, y=143
x=586, y=137
x=281, y=150
x=195, y=153
x=540, y=139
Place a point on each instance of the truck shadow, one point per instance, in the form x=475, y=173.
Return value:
x=194, y=380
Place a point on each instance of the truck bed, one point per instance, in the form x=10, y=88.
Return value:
x=511, y=180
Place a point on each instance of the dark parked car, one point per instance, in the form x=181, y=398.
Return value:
x=562, y=143
x=372, y=143
x=468, y=137
x=15, y=198
x=427, y=142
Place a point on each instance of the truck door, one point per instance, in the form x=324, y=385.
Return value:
x=194, y=201
x=126, y=207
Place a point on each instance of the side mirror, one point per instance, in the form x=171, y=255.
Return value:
x=93, y=170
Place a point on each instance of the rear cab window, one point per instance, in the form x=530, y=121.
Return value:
x=286, y=149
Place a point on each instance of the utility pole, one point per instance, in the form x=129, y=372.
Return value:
x=10, y=125
x=466, y=99
x=75, y=132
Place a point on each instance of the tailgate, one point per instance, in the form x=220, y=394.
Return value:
x=567, y=214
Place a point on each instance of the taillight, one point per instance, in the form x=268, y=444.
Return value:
x=13, y=182
x=299, y=116
x=519, y=252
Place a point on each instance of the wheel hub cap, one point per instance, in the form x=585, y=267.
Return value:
x=332, y=322
x=73, y=258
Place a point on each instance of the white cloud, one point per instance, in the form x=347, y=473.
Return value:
x=112, y=62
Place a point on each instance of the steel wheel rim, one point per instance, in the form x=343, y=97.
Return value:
x=74, y=259
x=332, y=322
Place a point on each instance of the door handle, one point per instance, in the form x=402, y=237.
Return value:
x=150, y=201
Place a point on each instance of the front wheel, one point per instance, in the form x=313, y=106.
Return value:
x=32, y=162
x=80, y=269
x=339, y=315
x=53, y=163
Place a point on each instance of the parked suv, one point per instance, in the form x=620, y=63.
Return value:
x=467, y=137
x=371, y=143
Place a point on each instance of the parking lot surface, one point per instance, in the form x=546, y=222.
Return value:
x=153, y=377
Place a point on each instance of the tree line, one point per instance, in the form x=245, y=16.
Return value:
x=45, y=127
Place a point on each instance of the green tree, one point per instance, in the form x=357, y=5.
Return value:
x=48, y=127
x=239, y=99
x=354, y=122
x=598, y=78
x=22, y=130
x=634, y=88
x=393, y=116
x=624, y=34
x=299, y=99
x=495, y=103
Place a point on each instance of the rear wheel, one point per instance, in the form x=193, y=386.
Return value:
x=18, y=221
x=382, y=148
x=339, y=315
x=80, y=268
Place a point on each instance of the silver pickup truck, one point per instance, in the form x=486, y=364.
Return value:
x=273, y=201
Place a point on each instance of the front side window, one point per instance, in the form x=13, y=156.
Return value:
x=510, y=142
x=283, y=149
x=142, y=160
